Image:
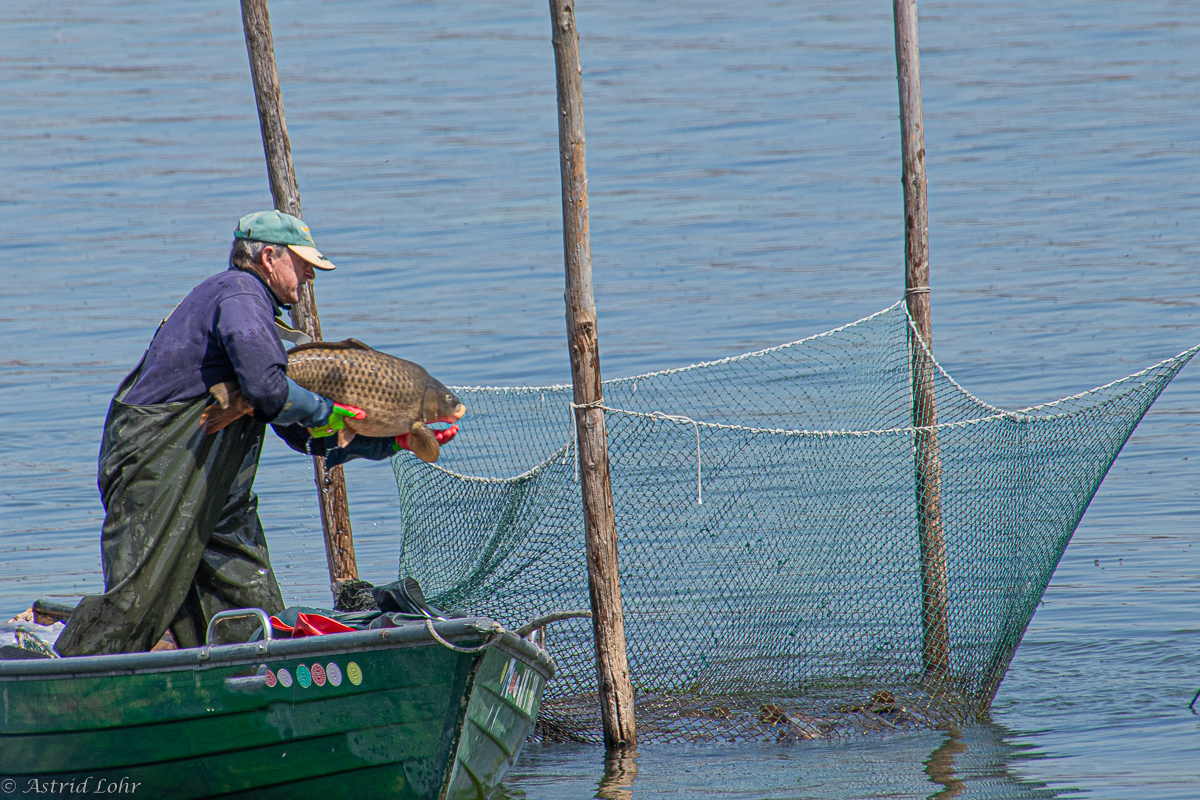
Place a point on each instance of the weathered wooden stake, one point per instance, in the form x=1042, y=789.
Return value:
x=935, y=600
x=604, y=579
x=331, y=484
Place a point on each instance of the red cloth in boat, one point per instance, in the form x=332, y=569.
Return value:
x=308, y=625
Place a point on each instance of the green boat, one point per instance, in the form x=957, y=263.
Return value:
x=432, y=709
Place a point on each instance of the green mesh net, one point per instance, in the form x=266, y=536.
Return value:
x=773, y=514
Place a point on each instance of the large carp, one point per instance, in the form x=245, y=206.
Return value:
x=397, y=396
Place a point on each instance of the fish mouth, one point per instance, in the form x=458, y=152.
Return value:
x=453, y=416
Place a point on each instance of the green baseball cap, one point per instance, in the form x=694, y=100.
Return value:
x=276, y=227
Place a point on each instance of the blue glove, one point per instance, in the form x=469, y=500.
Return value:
x=303, y=407
x=373, y=448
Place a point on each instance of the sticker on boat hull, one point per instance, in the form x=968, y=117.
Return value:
x=334, y=673
x=520, y=684
x=354, y=673
x=511, y=689
x=317, y=674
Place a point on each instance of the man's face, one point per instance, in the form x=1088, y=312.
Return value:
x=286, y=271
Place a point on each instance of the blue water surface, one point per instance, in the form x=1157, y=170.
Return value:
x=745, y=185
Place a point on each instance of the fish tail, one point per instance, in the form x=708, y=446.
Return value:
x=230, y=406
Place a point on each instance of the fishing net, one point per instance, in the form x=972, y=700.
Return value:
x=797, y=559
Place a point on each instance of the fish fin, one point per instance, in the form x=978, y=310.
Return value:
x=231, y=405
x=345, y=436
x=422, y=442
x=349, y=344
x=300, y=348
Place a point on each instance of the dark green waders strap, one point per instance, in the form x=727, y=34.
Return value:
x=181, y=538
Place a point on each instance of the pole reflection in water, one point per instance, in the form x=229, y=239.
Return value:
x=940, y=767
x=620, y=768
x=977, y=762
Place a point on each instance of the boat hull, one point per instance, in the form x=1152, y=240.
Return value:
x=390, y=713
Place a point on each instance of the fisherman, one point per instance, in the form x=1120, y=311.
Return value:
x=182, y=539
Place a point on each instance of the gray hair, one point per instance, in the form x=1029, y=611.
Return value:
x=245, y=253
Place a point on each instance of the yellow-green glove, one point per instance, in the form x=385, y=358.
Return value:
x=337, y=420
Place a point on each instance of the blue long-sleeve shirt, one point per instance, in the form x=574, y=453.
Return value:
x=223, y=330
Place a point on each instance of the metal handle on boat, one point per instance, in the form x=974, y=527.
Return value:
x=527, y=630
x=238, y=613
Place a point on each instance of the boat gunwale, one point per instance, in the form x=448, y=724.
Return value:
x=411, y=635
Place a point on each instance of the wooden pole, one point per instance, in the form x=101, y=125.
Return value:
x=604, y=579
x=935, y=650
x=331, y=484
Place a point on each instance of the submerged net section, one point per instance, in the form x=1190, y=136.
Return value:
x=769, y=539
